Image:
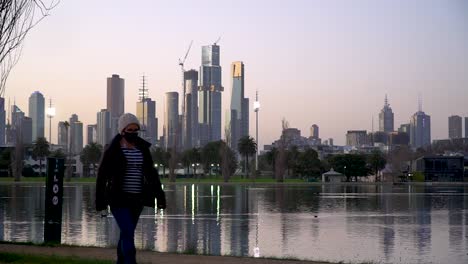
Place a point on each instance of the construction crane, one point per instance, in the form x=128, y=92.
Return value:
x=216, y=42
x=181, y=64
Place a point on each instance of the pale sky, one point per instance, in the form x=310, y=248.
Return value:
x=314, y=62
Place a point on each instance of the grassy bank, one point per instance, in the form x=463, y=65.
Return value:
x=16, y=258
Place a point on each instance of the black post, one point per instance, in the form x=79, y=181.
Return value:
x=53, y=202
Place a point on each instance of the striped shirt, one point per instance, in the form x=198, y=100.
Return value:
x=133, y=179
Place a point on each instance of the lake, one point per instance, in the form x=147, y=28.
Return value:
x=350, y=223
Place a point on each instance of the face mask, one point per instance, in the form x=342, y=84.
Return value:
x=130, y=137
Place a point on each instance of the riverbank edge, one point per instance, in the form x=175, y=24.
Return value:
x=143, y=256
x=270, y=183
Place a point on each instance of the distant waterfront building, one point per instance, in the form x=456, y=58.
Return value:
x=466, y=127
x=209, y=95
x=357, y=138
x=455, y=127
x=62, y=135
x=77, y=139
x=314, y=131
x=398, y=138
x=37, y=114
x=171, y=121
x=190, y=124
x=420, y=131
x=115, y=99
x=21, y=127
x=91, y=134
x=26, y=130
x=104, y=127
x=2, y=121
x=238, y=117
x=386, y=122
x=146, y=114
x=330, y=141
x=75, y=135
x=405, y=128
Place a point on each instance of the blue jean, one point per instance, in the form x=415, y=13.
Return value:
x=127, y=220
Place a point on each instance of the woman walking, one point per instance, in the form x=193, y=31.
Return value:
x=127, y=181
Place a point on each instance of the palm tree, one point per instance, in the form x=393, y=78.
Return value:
x=40, y=150
x=247, y=146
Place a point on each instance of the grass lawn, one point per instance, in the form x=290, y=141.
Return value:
x=33, y=259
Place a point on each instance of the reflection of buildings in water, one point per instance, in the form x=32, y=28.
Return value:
x=455, y=209
x=421, y=218
x=387, y=230
x=235, y=232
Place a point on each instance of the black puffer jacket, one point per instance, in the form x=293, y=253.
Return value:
x=111, y=172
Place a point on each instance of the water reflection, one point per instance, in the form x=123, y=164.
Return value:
x=384, y=224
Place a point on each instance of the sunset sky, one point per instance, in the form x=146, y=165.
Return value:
x=313, y=62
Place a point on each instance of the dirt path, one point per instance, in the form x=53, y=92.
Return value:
x=142, y=256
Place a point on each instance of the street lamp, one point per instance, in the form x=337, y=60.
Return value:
x=50, y=114
x=256, y=109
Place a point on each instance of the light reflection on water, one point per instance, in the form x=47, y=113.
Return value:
x=382, y=224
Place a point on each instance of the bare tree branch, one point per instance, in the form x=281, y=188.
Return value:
x=17, y=18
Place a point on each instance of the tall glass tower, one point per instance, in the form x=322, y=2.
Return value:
x=209, y=112
x=37, y=114
x=239, y=112
x=386, y=123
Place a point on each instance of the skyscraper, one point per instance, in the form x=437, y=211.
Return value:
x=91, y=134
x=466, y=127
x=146, y=114
x=77, y=139
x=357, y=138
x=420, y=131
x=455, y=124
x=171, y=121
x=37, y=114
x=103, y=123
x=115, y=100
x=2, y=121
x=210, y=90
x=75, y=135
x=314, y=132
x=26, y=130
x=386, y=123
x=190, y=124
x=62, y=135
x=238, y=119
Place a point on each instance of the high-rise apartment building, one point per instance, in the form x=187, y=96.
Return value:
x=420, y=131
x=455, y=127
x=209, y=95
x=190, y=124
x=75, y=135
x=62, y=135
x=314, y=131
x=386, y=118
x=146, y=114
x=104, y=125
x=171, y=121
x=357, y=138
x=37, y=114
x=91, y=134
x=115, y=100
x=238, y=118
x=466, y=127
x=2, y=121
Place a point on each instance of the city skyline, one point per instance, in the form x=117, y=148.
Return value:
x=340, y=86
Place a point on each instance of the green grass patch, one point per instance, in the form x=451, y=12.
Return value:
x=35, y=259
